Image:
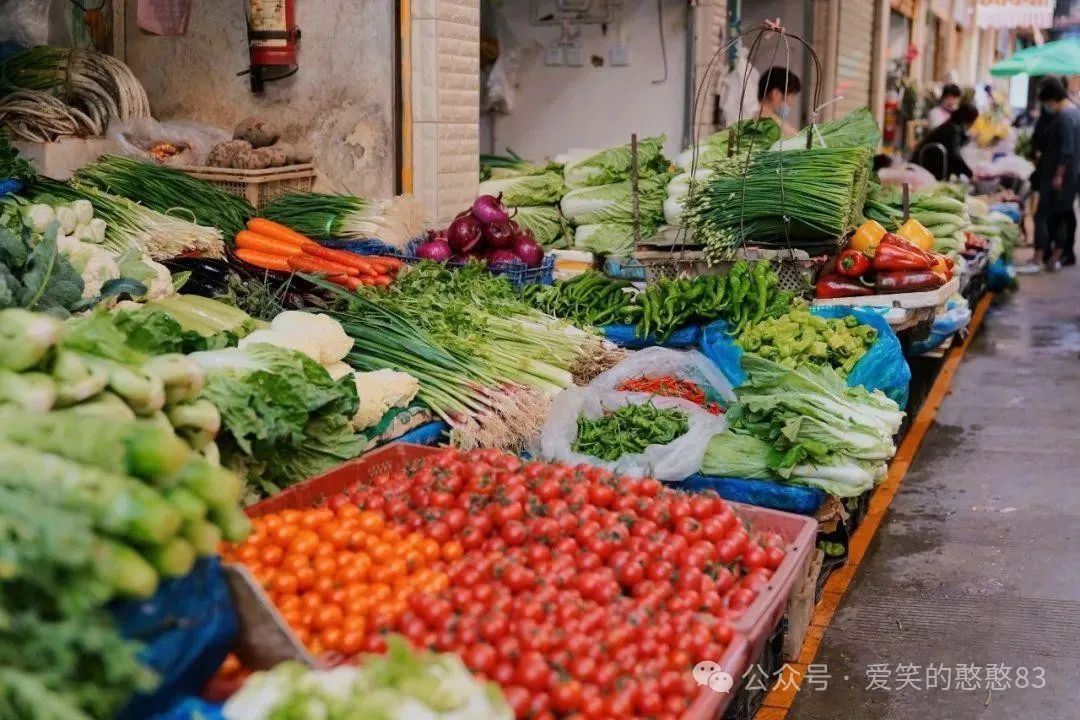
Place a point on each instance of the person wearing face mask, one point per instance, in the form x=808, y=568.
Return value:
x=1057, y=143
x=951, y=136
x=940, y=113
x=777, y=90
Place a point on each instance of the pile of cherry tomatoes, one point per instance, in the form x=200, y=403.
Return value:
x=582, y=594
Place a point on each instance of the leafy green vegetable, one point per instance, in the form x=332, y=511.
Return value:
x=614, y=164
x=43, y=279
x=610, y=238
x=856, y=129
x=614, y=202
x=546, y=223
x=803, y=338
x=543, y=189
x=737, y=455
x=746, y=136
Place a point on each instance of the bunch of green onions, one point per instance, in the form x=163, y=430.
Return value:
x=771, y=198
x=167, y=191
x=131, y=225
x=395, y=222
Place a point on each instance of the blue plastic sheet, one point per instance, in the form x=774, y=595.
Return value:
x=957, y=317
x=9, y=185
x=431, y=433
x=187, y=627
x=626, y=336
x=883, y=367
x=999, y=275
x=191, y=709
x=762, y=493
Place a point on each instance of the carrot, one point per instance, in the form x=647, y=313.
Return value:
x=381, y=280
x=391, y=263
x=271, y=229
x=264, y=260
x=351, y=282
x=347, y=259
x=307, y=263
x=253, y=241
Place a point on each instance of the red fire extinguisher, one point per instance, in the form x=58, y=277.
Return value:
x=273, y=41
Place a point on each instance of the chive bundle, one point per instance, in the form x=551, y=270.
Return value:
x=168, y=191
x=818, y=194
x=395, y=222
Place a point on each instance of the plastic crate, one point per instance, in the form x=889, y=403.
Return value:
x=517, y=273
x=800, y=534
x=768, y=655
x=710, y=705
x=258, y=187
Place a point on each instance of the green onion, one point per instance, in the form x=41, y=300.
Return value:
x=801, y=196
x=167, y=191
x=395, y=222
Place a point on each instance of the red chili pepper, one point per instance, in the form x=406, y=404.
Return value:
x=852, y=263
x=908, y=281
x=668, y=386
x=838, y=286
x=896, y=253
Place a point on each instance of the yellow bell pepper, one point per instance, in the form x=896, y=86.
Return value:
x=915, y=233
x=867, y=236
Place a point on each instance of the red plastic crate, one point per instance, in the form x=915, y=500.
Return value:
x=800, y=534
x=710, y=705
x=315, y=490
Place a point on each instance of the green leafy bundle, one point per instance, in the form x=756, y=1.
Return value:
x=38, y=277
x=614, y=165
x=819, y=431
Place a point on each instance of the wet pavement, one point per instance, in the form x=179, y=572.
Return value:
x=967, y=604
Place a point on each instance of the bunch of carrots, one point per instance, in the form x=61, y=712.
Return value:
x=272, y=246
x=671, y=386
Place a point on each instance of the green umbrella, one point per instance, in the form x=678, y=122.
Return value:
x=1061, y=57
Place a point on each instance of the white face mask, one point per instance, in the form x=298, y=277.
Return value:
x=783, y=111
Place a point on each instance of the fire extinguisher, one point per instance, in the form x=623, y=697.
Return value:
x=273, y=41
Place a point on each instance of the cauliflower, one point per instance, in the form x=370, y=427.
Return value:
x=300, y=343
x=338, y=370
x=329, y=338
x=161, y=286
x=378, y=392
x=95, y=264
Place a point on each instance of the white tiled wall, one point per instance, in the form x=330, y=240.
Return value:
x=445, y=99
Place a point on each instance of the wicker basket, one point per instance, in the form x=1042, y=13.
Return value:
x=258, y=187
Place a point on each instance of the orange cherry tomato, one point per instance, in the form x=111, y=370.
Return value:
x=452, y=551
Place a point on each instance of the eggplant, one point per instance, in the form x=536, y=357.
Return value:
x=209, y=277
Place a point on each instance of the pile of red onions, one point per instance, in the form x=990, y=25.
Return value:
x=483, y=232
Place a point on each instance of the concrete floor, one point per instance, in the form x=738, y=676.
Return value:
x=977, y=562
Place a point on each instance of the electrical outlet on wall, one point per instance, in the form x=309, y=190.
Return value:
x=554, y=55
x=619, y=56
x=572, y=55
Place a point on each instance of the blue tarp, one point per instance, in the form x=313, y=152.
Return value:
x=187, y=627
x=191, y=709
x=626, y=336
x=431, y=433
x=883, y=367
x=763, y=493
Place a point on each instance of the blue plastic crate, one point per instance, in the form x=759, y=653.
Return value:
x=516, y=273
x=431, y=433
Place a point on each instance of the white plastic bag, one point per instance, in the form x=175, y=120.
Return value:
x=137, y=137
x=914, y=175
x=657, y=361
x=673, y=462
x=25, y=22
x=738, y=91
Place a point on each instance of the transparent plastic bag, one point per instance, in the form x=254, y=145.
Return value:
x=673, y=462
x=136, y=138
x=658, y=361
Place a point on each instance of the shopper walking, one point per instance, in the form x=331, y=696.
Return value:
x=1057, y=169
x=939, y=151
x=777, y=90
x=940, y=113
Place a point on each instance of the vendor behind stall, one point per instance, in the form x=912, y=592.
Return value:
x=947, y=105
x=939, y=151
x=777, y=90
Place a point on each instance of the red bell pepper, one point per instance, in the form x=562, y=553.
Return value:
x=852, y=263
x=896, y=253
x=908, y=281
x=838, y=286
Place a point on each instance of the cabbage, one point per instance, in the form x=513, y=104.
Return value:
x=542, y=189
x=614, y=202
x=545, y=222
x=616, y=239
x=613, y=165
